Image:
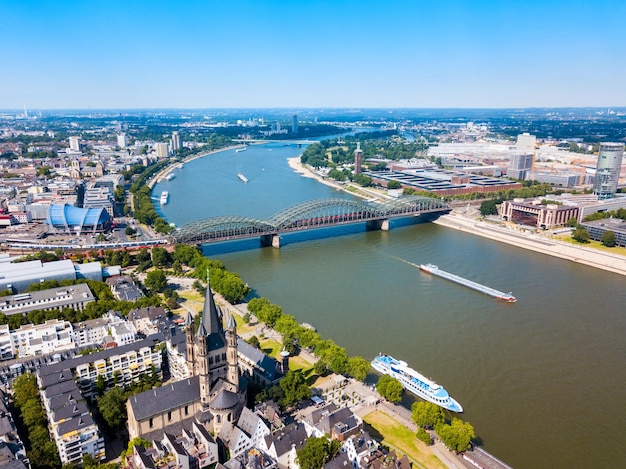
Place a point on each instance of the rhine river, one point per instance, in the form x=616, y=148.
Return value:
x=543, y=381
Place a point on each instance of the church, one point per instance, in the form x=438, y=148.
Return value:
x=213, y=395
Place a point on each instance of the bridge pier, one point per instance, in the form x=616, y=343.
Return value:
x=382, y=225
x=270, y=240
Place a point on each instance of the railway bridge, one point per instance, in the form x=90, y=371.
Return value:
x=308, y=215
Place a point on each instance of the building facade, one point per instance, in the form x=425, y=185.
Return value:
x=533, y=213
x=608, y=169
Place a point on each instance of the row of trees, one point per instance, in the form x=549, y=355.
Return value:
x=41, y=451
x=331, y=357
x=456, y=434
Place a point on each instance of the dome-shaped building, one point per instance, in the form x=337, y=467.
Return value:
x=75, y=220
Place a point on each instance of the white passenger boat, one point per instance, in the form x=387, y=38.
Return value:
x=415, y=382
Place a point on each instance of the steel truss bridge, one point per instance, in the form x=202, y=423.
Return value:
x=307, y=215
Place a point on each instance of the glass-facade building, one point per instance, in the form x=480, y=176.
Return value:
x=607, y=172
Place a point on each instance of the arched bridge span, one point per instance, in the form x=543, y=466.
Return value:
x=306, y=215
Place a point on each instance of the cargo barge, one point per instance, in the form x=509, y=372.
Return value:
x=434, y=270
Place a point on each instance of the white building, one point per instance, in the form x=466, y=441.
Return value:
x=52, y=336
x=162, y=149
x=122, y=140
x=75, y=144
x=175, y=142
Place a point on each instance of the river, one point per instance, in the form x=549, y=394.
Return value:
x=541, y=380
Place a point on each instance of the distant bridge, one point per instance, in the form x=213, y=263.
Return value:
x=307, y=215
x=286, y=142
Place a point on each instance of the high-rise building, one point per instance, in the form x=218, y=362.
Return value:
x=122, y=141
x=526, y=143
x=162, y=150
x=175, y=144
x=519, y=166
x=358, y=154
x=75, y=143
x=294, y=124
x=607, y=171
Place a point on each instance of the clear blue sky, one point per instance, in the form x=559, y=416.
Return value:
x=299, y=53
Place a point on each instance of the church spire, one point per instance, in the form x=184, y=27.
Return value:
x=211, y=322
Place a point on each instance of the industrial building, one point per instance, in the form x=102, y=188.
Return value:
x=443, y=182
x=19, y=276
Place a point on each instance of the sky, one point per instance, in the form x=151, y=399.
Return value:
x=130, y=54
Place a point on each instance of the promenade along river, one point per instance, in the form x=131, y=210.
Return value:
x=542, y=380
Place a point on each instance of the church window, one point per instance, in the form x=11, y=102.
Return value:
x=210, y=360
x=219, y=418
x=186, y=410
x=224, y=356
x=169, y=416
x=151, y=423
x=217, y=359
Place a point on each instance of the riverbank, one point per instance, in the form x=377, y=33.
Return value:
x=552, y=247
x=580, y=254
x=306, y=171
x=157, y=177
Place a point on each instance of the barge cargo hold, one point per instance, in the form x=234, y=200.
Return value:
x=434, y=270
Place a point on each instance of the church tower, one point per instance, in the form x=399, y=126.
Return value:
x=190, y=340
x=202, y=363
x=231, y=344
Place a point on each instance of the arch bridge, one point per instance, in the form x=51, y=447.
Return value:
x=307, y=215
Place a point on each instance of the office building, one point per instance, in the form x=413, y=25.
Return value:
x=75, y=143
x=162, y=150
x=608, y=169
x=175, y=142
x=519, y=166
x=122, y=140
x=526, y=143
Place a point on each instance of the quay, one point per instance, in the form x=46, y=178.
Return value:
x=434, y=270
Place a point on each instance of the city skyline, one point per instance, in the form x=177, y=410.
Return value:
x=342, y=54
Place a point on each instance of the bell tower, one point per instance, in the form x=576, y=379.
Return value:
x=232, y=375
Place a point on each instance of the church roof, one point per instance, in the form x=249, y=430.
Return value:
x=224, y=400
x=211, y=322
x=168, y=397
x=211, y=315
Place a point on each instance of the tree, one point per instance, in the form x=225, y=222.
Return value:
x=389, y=388
x=393, y=184
x=294, y=387
x=457, y=435
x=572, y=222
x=160, y=257
x=581, y=235
x=363, y=180
x=254, y=341
x=358, y=368
x=488, y=207
x=427, y=414
x=112, y=407
x=424, y=436
x=130, y=231
x=156, y=281
x=608, y=239
x=317, y=452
